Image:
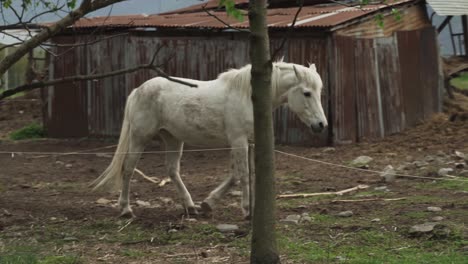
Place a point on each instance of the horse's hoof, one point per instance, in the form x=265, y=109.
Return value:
x=206, y=208
x=192, y=210
x=127, y=214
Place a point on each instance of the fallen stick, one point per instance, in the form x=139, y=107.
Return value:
x=146, y=177
x=305, y=195
x=368, y=200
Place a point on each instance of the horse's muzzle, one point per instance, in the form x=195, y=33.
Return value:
x=319, y=127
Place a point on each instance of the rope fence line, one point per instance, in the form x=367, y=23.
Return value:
x=366, y=170
x=87, y=152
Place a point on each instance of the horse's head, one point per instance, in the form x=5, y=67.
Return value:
x=303, y=98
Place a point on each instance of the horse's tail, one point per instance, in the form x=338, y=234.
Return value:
x=111, y=178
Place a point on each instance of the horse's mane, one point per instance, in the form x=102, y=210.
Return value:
x=238, y=80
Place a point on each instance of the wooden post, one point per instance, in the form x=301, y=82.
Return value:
x=465, y=32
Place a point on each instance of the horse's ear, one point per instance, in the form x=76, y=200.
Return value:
x=298, y=74
x=312, y=67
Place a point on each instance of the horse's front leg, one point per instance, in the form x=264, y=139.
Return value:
x=238, y=172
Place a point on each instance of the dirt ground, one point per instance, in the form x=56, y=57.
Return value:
x=48, y=212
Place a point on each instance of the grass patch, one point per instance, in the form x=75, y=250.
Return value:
x=445, y=185
x=460, y=82
x=19, y=258
x=368, y=246
x=132, y=253
x=33, y=130
x=66, y=259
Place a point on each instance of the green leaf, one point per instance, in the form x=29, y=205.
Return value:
x=379, y=19
x=6, y=3
x=364, y=2
x=396, y=14
x=71, y=4
x=231, y=9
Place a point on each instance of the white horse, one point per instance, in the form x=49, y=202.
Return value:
x=216, y=114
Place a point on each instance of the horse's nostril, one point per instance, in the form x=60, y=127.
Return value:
x=321, y=125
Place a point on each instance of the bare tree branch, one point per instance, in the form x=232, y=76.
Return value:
x=288, y=34
x=223, y=22
x=151, y=65
x=86, y=7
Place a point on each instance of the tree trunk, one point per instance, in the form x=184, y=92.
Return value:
x=264, y=248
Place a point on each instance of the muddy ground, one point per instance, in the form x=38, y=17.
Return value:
x=48, y=213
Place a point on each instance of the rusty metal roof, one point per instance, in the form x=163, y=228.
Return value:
x=449, y=7
x=322, y=16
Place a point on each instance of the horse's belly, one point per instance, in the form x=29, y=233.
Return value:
x=200, y=136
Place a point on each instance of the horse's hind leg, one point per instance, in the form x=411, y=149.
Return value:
x=135, y=148
x=239, y=172
x=173, y=156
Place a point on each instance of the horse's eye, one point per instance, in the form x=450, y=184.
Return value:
x=307, y=94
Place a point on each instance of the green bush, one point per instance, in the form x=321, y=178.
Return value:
x=33, y=130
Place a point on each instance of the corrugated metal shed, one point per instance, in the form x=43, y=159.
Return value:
x=375, y=81
x=322, y=16
x=449, y=7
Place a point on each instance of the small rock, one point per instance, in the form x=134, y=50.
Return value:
x=463, y=173
x=420, y=164
x=191, y=220
x=226, y=228
x=422, y=228
x=409, y=158
x=437, y=218
x=306, y=219
x=143, y=203
x=68, y=166
x=382, y=188
x=340, y=258
x=460, y=155
x=388, y=173
x=103, y=201
x=329, y=150
x=70, y=239
x=172, y=231
x=444, y=171
x=6, y=212
x=375, y=220
x=429, y=158
x=434, y=209
x=361, y=162
x=167, y=201
x=440, y=153
x=179, y=207
x=460, y=165
x=58, y=162
x=345, y=214
x=291, y=219
x=405, y=166
x=304, y=214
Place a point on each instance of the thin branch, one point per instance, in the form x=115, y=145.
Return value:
x=86, y=7
x=305, y=195
x=288, y=34
x=223, y=22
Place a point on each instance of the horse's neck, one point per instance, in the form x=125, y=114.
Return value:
x=280, y=94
